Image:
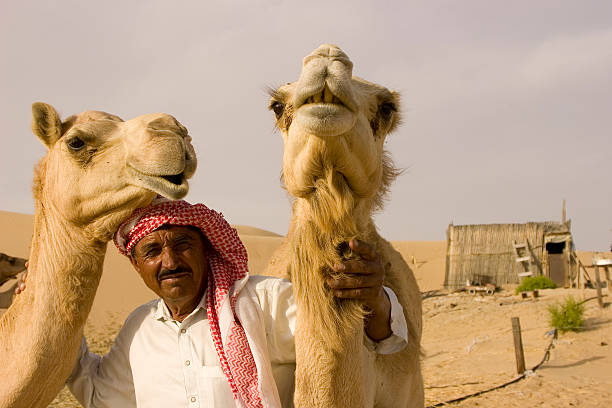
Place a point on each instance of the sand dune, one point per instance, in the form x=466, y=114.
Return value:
x=15, y=233
x=427, y=259
x=244, y=230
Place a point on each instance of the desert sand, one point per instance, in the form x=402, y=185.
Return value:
x=467, y=340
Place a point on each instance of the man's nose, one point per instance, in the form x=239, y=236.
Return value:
x=169, y=258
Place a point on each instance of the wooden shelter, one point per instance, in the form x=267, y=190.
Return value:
x=505, y=253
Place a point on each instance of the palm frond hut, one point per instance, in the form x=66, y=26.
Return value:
x=486, y=253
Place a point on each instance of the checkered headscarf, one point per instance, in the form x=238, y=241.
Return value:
x=228, y=264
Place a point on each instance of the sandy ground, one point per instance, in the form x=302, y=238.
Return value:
x=467, y=340
x=469, y=347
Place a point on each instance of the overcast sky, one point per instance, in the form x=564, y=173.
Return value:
x=507, y=106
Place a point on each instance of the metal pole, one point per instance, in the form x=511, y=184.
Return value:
x=518, y=345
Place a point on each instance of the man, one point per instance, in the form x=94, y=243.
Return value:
x=215, y=337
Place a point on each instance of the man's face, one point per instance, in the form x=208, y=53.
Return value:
x=173, y=263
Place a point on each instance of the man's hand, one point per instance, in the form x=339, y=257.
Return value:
x=21, y=281
x=363, y=280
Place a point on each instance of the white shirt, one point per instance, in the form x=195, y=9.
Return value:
x=157, y=361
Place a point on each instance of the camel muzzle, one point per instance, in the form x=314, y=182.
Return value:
x=327, y=70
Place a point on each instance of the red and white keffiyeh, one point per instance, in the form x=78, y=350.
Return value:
x=228, y=264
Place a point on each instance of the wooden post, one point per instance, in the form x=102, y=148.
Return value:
x=576, y=281
x=569, y=262
x=608, y=280
x=518, y=346
x=563, y=215
x=582, y=279
x=598, y=287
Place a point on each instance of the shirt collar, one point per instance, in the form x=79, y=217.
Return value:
x=163, y=313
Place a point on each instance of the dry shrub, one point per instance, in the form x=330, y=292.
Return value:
x=535, y=282
x=566, y=316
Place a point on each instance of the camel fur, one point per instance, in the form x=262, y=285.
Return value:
x=97, y=170
x=335, y=166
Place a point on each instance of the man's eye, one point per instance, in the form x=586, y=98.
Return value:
x=181, y=246
x=151, y=253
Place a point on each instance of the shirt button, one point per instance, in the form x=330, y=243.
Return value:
x=183, y=331
x=187, y=362
x=193, y=399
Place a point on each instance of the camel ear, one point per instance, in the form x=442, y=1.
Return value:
x=46, y=123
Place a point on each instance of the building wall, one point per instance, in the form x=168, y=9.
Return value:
x=475, y=251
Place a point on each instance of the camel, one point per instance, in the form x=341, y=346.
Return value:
x=10, y=266
x=335, y=166
x=7, y=291
x=97, y=170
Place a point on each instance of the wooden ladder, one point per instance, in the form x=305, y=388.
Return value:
x=522, y=256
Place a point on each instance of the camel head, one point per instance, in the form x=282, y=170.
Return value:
x=334, y=127
x=99, y=168
x=10, y=267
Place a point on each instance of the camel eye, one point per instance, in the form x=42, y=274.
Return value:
x=278, y=109
x=75, y=144
x=386, y=110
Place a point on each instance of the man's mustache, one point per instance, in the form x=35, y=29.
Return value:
x=168, y=272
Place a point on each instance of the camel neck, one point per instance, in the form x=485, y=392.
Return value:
x=64, y=260
x=46, y=321
x=318, y=239
x=338, y=220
